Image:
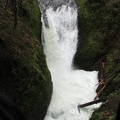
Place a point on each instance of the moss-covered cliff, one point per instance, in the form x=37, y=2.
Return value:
x=29, y=10
x=24, y=78
x=99, y=30
x=99, y=37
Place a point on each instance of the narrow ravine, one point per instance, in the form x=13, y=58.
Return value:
x=70, y=87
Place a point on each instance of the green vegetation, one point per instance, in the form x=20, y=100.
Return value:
x=30, y=11
x=98, y=31
x=25, y=77
x=99, y=34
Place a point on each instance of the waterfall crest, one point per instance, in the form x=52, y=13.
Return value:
x=70, y=87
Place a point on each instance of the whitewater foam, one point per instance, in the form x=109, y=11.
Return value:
x=70, y=87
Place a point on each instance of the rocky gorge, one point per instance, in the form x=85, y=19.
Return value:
x=25, y=77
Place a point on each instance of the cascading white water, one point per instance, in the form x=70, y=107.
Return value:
x=61, y=36
x=70, y=87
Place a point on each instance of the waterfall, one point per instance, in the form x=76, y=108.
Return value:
x=70, y=87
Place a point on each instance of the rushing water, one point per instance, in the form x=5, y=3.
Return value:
x=70, y=87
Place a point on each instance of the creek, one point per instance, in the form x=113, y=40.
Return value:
x=59, y=38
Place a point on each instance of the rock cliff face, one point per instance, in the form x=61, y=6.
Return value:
x=99, y=37
x=25, y=78
x=98, y=32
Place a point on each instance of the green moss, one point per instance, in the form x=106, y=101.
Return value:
x=32, y=15
x=98, y=24
x=109, y=109
x=97, y=116
x=25, y=77
x=99, y=33
x=112, y=92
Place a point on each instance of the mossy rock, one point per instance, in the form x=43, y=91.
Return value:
x=108, y=110
x=25, y=77
x=29, y=10
x=99, y=28
x=99, y=34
